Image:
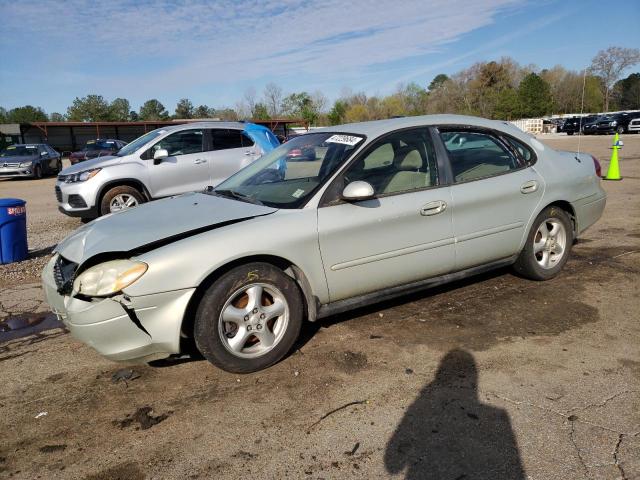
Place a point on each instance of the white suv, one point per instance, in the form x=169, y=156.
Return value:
x=163, y=162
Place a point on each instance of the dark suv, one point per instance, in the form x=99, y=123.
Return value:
x=617, y=122
x=576, y=124
x=97, y=148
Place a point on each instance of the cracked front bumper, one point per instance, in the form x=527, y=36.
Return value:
x=122, y=328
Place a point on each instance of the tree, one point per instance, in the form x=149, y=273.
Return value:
x=56, y=117
x=249, y=101
x=260, y=112
x=301, y=105
x=508, y=105
x=202, y=111
x=119, y=110
x=184, y=109
x=627, y=92
x=26, y=114
x=153, y=110
x=273, y=98
x=133, y=116
x=337, y=113
x=92, y=108
x=535, y=96
x=437, y=81
x=610, y=64
x=3, y=115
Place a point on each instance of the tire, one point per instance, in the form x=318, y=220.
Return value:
x=540, y=259
x=569, y=133
x=37, y=172
x=58, y=167
x=234, y=293
x=620, y=129
x=127, y=197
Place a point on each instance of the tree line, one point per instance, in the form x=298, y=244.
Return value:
x=500, y=89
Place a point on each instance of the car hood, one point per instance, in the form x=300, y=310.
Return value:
x=18, y=159
x=154, y=224
x=99, y=162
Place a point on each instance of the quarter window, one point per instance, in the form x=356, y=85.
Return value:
x=181, y=143
x=476, y=155
x=400, y=162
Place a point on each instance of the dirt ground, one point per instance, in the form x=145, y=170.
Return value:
x=546, y=373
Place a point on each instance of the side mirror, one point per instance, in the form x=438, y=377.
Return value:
x=160, y=154
x=358, y=190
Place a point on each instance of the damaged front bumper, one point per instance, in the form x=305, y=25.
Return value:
x=122, y=328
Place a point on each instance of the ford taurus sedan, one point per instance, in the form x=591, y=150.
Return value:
x=386, y=208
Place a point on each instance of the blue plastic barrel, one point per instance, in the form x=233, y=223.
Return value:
x=13, y=230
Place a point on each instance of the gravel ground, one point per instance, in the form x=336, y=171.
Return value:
x=493, y=377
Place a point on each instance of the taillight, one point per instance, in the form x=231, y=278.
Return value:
x=596, y=164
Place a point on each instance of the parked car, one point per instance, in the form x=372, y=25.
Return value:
x=591, y=127
x=97, y=148
x=634, y=125
x=576, y=124
x=33, y=160
x=161, y=163
x=392, y=206
x=616, y=123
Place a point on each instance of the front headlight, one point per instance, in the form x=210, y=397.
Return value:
x=25, y=164
x=108, y=278
x=81, y=176
x=614, y=123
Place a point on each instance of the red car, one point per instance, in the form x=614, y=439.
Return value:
x=100, y=147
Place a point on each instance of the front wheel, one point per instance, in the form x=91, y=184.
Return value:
x=548, y=245
x=249, y=318
x=620, y=129
x=120, y=198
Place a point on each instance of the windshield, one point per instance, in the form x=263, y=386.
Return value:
x=93, y=145
x=287, y=176
x=19, y=151
x=130, y=148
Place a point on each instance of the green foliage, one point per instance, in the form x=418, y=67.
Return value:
x=184, y=109
x=337, y=114
x=508, y=106
x=300, y=105
x=437, y=82
x=202, y=111
x=260, y=112
x=92, y=108
x=119, y=110
x=56, y=117
x=627, y=93
x=535, y=96
x=3, y=115
x=153, y=110
x=133, y=116
x=26, y=114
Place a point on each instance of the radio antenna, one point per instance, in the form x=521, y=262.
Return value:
x=584, y=83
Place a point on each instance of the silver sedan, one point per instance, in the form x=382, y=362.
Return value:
x=383, y=208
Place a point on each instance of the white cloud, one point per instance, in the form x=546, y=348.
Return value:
x=194, y=42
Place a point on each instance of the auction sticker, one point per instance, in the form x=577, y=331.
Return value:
x=344, y=139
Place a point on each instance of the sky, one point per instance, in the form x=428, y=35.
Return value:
x=213, y=52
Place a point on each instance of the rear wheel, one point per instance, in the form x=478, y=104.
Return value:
x=120, y=198
x=548, y=245
x=37, y=172
x=620, y=129
x=569, y=133
x=249, y=318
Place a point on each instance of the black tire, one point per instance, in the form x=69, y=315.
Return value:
x=58, y=166
x=620, y=129
x=527, y=263
x=37, y=172
x=207, y=331
x=569, y=133
x=119, y=190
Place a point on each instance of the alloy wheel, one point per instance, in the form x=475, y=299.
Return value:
x=550, y=243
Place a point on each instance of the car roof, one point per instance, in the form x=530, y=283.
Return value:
x=209, y=124
x=378, y=127
x=26, y=145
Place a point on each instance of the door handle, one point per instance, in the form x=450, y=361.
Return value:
x=198, y=161
x=249, y=152
x=433, y=208
x=529, y=187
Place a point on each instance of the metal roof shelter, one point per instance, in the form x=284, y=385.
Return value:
x=71, y=136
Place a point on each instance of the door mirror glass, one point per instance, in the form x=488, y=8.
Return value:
x=160, y=154
x=358, y=190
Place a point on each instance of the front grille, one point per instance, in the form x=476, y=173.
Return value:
x=58, y=194
x=63, y=274
x=76, y=201
x=9, y=165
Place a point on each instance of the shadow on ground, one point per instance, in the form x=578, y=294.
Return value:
x=448, y=433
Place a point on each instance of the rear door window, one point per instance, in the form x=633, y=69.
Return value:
x=225, y=139
x=476, y=155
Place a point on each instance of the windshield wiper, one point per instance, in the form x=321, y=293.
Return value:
x=237, y=195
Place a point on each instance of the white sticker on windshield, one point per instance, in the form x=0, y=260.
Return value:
x=344, y=139
x=298, y=193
